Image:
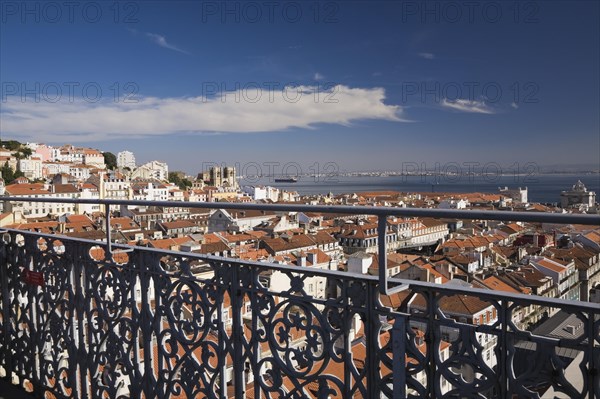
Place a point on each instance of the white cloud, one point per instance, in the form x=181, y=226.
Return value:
x=243, y=111
x=162, y=42
x=472, y=106
x=514, y=105
x=318, y=76
x=427, y=56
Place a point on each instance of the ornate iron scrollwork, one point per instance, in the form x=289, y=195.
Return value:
x=135, y=328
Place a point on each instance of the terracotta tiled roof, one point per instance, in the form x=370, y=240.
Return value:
x=497, y=284
x=583, y=257
x=42, y=227
x=27, y=189
x=65, y=188
x=168, y=243
x=279, y=244
x=214, y=247
x=455, y=304
x=78, y=219
x=322, y=237
x=527, y=276
x=551, y=265
x=178, y=224
x=593, y=236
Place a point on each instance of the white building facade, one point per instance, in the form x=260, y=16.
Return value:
x=126, y=159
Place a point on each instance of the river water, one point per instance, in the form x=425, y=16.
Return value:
x=543, y=188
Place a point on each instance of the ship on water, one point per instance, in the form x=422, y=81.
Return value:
x=286, y=180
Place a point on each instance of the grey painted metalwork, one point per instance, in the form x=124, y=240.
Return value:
x=542, y=217
x=103, y=329
x=125, y=325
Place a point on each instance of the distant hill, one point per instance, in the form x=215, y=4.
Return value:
x=575, y=168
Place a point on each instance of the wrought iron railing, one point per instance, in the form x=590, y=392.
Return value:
x=83, y=319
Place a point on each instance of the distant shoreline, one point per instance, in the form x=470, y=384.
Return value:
x=542, y=188
x=430, y=174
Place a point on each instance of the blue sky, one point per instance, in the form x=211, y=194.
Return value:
x=364, y=84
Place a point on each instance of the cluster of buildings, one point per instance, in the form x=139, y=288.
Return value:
x=553, y=261
x=82, y=173
x=46, y=161
x=43, y=162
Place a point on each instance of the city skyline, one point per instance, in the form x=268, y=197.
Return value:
x=299, y=198
x=368, y=88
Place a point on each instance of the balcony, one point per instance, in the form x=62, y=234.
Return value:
x=88, y=319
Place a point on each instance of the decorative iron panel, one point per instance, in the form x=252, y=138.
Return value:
x=159, y=324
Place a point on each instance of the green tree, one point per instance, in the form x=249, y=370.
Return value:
x=22, y=153
x=181, y=182
x=174, y=178
x=11, y=145
x=26, y=151
x=185, y=183
x=110, y=160
x=7, y=173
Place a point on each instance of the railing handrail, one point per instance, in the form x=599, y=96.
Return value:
x=450, y=289
x=542, y=217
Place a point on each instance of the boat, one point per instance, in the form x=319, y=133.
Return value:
x=286, y=180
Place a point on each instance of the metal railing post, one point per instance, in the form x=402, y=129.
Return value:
x=79, y=276
x=594, y=369
x=237, y=335
x=108, y=233
x=6, y=321
x=504, y=368
x=399, y=359
x=431, y=340
x=372, y=338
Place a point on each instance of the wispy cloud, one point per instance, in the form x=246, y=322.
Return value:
x=472, y=106
x=514, y=105
x=318, y=76
x=427, y=56
x=231, y=112
x=162, y=42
